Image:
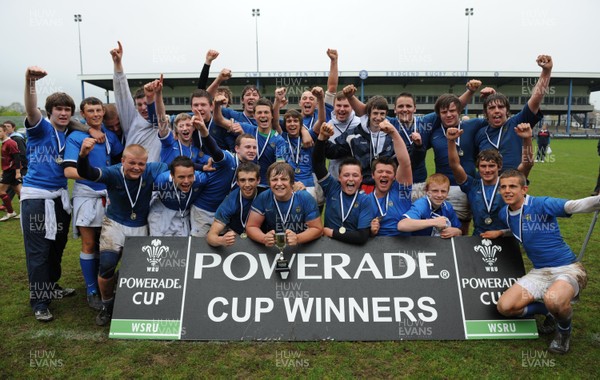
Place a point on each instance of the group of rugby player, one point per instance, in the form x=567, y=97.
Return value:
x=227, y=175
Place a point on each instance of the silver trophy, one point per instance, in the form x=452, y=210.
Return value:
x=282, y=264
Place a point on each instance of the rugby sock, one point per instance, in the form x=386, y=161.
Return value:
x=109, y=303
x=89, y=269
x=533, y=309
x=7, y=203
x=564, y=325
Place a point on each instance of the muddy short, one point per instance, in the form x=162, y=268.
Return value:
x=537, y=281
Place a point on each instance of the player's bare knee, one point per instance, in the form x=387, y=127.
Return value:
x=557, y=306
x=108, y=264
x=505, y=307
x=88, y=246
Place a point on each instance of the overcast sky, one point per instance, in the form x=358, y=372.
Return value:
x=173, y=36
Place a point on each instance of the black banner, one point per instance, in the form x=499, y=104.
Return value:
x=388, y=289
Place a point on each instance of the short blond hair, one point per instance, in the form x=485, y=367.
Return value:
x=438, y=179
x=135, y=150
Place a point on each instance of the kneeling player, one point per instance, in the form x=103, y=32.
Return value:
x=177, y=190
x=557, y=277
x=232, y=215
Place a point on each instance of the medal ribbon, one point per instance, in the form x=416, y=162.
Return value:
x=181, y=212
x=488, y=205
x=264, y=146
x=520, y=237
x=497, y=144
x=60, y=148
x=242, y=221
x=404, y=129
x=284, y=221
x=345, y=216
x=131, y=202
x=387, y=197
x=297, y=153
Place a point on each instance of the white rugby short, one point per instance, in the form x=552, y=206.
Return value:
x=88, y=212
x=460, y=203
x=200, y=221
x=112, y=236
x=537, y=281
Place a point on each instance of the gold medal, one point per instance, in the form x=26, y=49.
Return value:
x=243, y=235
x=488, y=220
x=133, y=216
x=342, y=230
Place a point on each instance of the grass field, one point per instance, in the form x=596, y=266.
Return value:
x=72, y=346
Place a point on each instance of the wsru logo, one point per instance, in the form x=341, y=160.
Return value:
x=489, y=254
x=156, y=252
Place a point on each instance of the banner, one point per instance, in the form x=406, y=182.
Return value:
x=388, y=289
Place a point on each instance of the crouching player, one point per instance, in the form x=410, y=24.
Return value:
x=129, y=186
x=177, y=190
x=557, y=277
x=232, y=215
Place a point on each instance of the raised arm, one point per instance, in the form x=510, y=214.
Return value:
x=467, y=96
x=207, y=140
x=153, y=90
x=117, y=57
x=453, y=159
x=224, y=75
x=161, y=114
x=123, y=99
x=219, y=119
x=359, y=107
x=32, y=75
x=280, y=102
x=320, y=95
x=319, y=151
x=404, y=171
x=332, y=79
x=158, y=97
x=83, y=164
x=211, y=55
x=524, y=131
x=541, y=87
x=485, y=92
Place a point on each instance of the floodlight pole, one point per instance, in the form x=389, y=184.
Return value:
x=468, y=13
x=78, y=20
x=256, y=15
